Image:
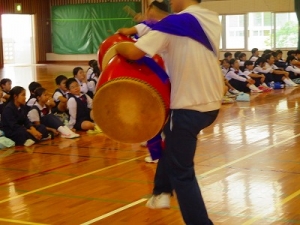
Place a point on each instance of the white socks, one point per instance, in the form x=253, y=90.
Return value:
x=289, y=82
x=254, y=88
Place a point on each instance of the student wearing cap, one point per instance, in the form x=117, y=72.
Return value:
x=155, y=12
x=191, y=34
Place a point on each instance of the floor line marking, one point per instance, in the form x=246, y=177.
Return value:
x=282, y=202
x=115, y=211
x=68, y=180
x=244, y=157
x=199, y=176
x=21, y=222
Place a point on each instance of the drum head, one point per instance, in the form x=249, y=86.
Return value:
x=129, y=110
x=110, y=53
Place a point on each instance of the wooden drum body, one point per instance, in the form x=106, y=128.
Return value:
x=131, y=103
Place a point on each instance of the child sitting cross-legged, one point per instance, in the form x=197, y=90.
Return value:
x=40, y=114
x=80, y=108
x=16, y=125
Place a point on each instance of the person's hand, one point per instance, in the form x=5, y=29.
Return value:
x=139, y=17
x=50, y=102
x=55, y=132
x=251, y=81
x=36, y=134
x=122, y=31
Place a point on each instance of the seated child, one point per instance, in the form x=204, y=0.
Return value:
x=60, y=95
x=238, y=80
x=32, y=99
x=81, y=79
x=6, y=87
x=259, y=78
x=90, y=71
x=16, y=124
x=40, y=114
x=80, y=108
x=93, y=80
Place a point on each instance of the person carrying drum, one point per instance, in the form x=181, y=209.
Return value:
x=190, y=41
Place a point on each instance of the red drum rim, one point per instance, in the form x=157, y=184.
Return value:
x=110, y=53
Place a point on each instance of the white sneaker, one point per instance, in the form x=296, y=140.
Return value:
x=229, y=95
x=148, y=159
x=46, y=138
x=256, y=91
x=234, y=91
x=29, y=142
x=70, y=135
x=292, y=85
x=161, y=201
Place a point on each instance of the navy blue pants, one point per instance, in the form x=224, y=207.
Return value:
x=51, y=121
x=175, y=169
x=20, y=135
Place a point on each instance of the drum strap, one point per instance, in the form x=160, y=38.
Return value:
x=185, y=25
x=163, y=76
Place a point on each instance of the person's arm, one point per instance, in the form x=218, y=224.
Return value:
x=89, y=102
x=83, y=88
x=72, y=106
x=33, y=116
x=34, y=132
x=59, y=97
x=5, y=96
x=151, y=44
x=129, y=51
x=261, y=70
x=232, y=75
x=127, y=31
x=254, y=75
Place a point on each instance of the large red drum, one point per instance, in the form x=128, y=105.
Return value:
x=132, y=103
x=107, y=50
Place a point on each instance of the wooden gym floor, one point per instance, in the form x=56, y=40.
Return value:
x=247, y=164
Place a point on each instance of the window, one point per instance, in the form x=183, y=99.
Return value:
x=260, y=30
x=286, y=31
x=235, y=32
x=265, y=30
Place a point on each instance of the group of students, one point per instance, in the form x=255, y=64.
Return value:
x=43, y=117
x=259, y=73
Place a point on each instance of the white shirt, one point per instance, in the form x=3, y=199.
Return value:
x=241, y=63
x=142, y=29
x=224, y=71
x=72, y=106
x=232, y=75
x=195, y=76
x=89, y=72
x=273, y=66
x=31, y=102
x=265, y=70
x=83, y=86
x=294, y=69
x=33, y=114
x=253, y=58
x=57, y=94
x=91, y=84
